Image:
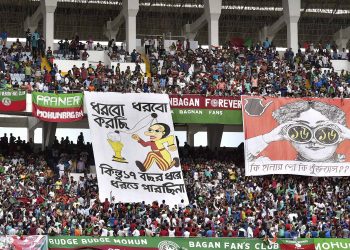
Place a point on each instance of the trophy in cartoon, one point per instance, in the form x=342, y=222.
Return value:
x=114, y=139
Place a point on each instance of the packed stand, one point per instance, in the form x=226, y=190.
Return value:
x=253, y=69
x=39, y=195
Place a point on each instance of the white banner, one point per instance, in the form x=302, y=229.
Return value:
x=135, y=148
x=319, y=169
x=300, y=136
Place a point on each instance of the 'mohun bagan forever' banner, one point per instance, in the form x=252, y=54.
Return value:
x=301, y=136
x=135, y=148
x=206, y=109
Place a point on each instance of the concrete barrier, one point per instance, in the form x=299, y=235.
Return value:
x=339, y=65
x=65, y=65
x=95, y=56
x=123, y=66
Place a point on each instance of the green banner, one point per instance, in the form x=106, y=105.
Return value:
x=207, y=116
x=335, y=244
x=53, y=107
x=51, y=100
x=206, y=109
x=166, y=243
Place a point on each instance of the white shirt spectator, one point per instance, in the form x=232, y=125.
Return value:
x=40, y=86
x=81, y=201
x=344, y=55
x=195, y=176
x=136, y=233
x=181, y=205
x=121, y=233
x=65, y=89
x=244, y=232
x=126, y=231
x=104, y=232
x=58, y=77
x=61, y=169
x=46, y=88
x=186, y=234
x=148, y=232
x=341, y=89
x=249, y=232
x=170, y=81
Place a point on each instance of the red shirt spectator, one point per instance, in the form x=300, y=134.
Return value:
x=178, y=232
x=164, y=232
x=225, y=232
x=256, y=232
x=47, y=77
x=84, y=74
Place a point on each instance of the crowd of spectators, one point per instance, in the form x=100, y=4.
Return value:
x=39, y=195
x=258, y=69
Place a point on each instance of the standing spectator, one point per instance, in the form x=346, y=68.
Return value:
x=85, y=55
x=35, y=41
x=266, y=43
x=49, y=52
x=151, y=44
x=178, y=45
x=41, y=46
x=188, y=45
x=76, y=38
x=66, y=48
x=4, y=36
x=61, y=47
x=147, y=45
x=28, y=37
x=2, y=65
x=133, y=56
x=73, y=49
x=89, y=42
x=343, y=55
x=111, y=44
x=28, y=72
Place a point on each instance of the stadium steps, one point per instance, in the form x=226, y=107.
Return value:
x=147, y=63
x=45, y=63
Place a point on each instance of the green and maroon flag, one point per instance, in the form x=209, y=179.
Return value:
x=12, y=100
x=57, y=107
x=206, y=110
x=299, y=244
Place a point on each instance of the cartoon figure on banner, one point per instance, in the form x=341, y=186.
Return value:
x=314, y=128
x=159, y=134
x=114, y=140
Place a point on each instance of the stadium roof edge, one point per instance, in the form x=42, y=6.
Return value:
x=199, y=6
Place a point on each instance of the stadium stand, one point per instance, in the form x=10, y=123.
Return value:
x=54, y=191
x=40, y=196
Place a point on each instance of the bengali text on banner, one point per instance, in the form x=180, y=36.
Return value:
x=206, y=110
x=300, y=136
x=135, y=148
x=52, y=107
